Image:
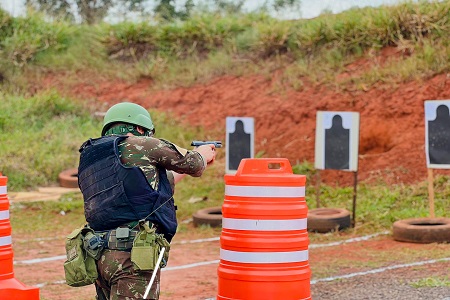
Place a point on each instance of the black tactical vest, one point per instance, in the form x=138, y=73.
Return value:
x=115, y=194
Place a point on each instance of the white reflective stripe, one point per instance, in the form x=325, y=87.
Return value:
x=4, y=214
x=3, y=190
x=264, y=225
x=265, y=191
x=264, y=257
x=5, y=241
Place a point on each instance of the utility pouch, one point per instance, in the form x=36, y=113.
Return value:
x=80, y=268
x=144, y=253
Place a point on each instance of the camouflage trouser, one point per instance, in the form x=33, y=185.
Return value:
x=120, y=281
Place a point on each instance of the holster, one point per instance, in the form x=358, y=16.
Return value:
x=146, y=248
x=93, y=244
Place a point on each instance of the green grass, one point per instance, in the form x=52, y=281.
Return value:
x=432, y=282
x=40, y=137
x=208, y=45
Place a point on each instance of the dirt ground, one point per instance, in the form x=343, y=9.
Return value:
x=192, y=270
x=392, y=120
x=391, y=150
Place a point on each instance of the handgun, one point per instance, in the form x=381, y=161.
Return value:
x=217, y=144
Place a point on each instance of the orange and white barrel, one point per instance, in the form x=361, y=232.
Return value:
x=10, y=288
x=264, y=240
x=6, y=252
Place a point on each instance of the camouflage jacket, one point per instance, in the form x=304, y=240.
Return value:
x=149, y=154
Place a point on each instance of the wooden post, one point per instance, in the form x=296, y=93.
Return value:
x=431, y=192
x=355, y=184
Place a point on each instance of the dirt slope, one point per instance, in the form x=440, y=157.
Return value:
x=391, y=130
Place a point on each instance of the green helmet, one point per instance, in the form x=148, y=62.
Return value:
x=130, y=113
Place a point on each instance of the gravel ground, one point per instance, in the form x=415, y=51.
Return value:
x=392, y=285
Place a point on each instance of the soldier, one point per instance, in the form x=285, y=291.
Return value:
x=127, y=176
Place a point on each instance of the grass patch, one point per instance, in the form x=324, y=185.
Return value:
x=431, y=282
x=208, y=45
x=40, y=137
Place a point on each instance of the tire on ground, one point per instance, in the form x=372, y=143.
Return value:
x=422, y=230
x=211, y=216
x=325, y=220
x=68, y=178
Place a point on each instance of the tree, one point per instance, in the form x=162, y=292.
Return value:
x=165, y=9
x=236, y=6
x=228, y=6
x=282, y=4
x=94, y=11
x=54, y=8
x=89, y=11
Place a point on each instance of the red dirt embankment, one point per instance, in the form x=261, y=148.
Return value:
x=391, y=117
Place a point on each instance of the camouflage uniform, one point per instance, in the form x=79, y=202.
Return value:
x=118, y=280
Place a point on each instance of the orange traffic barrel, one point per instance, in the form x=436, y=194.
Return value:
x=10, y=288
x=264, y=240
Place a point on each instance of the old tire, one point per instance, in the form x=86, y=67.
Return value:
x=211, y=216
x=68, y=178
x=325, y=220
x=422, y=230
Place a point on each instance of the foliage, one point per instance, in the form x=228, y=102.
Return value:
x=229, y=7
x=90, y=11
x=198, y=34
x=94, y=11
x=350, y=33
x=5, y=25
x=167, y=11
x=55, y=8
x=282, y=4
x=25, y=38
x=150, y=49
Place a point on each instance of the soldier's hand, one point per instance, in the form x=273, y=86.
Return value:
x=208, y=152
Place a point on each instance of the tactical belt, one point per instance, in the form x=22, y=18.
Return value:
x=120, y=238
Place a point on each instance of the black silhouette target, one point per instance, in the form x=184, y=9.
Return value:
x=239, y=144
x=337, y=139
x=437, y=135
x=337, y=146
